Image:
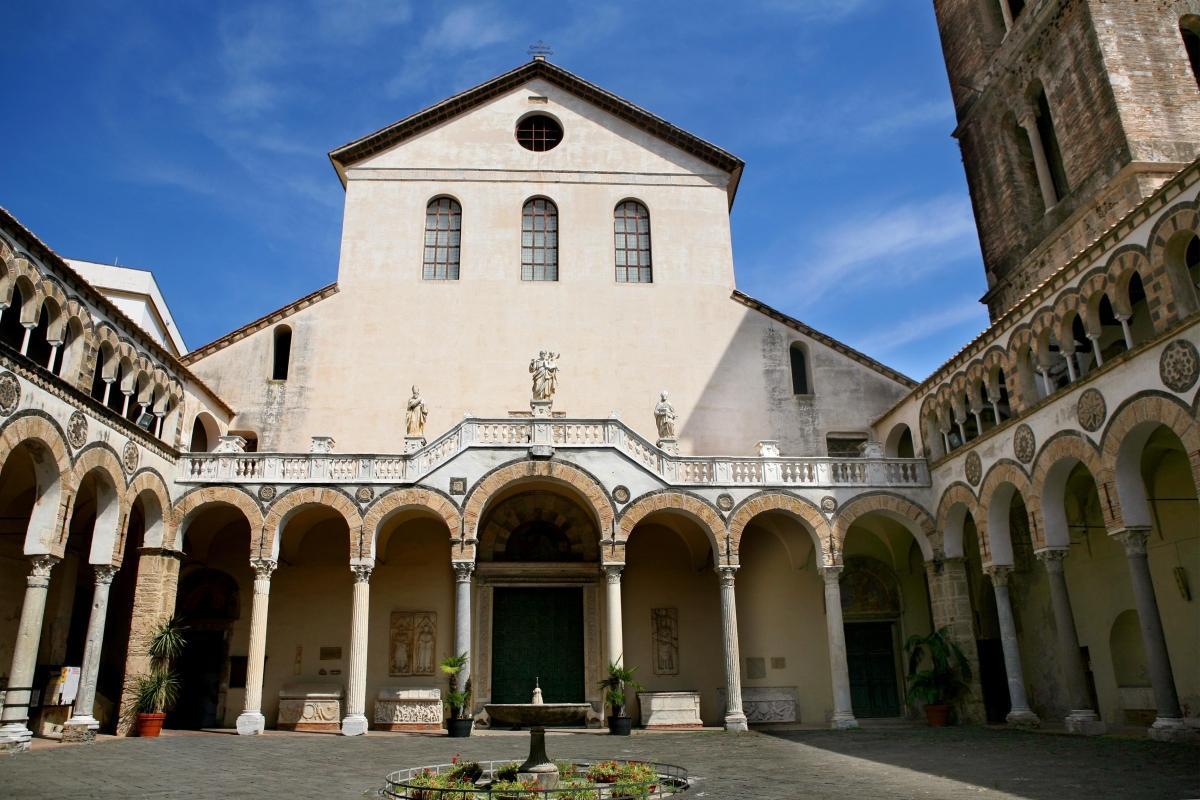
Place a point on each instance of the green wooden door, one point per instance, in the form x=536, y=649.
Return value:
x=872, y=664
x=537, y=633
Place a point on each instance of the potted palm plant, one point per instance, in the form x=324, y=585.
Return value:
x=155, y=692
x=458, y=702
x=616, y=686
x=938, y=685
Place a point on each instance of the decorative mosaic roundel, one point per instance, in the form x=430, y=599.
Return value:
x=621, y=494
x=77, y=430
x=364, y=494
x=1179, y=365
x=829, y=504
x=129, y=457
x=1024, y=444
x=725, y=502
x=10, y=393
x=974, y=468
x=1091, y=410
x=266, y=493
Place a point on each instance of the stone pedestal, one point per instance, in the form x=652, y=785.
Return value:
x=669, y=446
x=667, y=711
x=541, y=408
x=408, y=710
x=413, y=443
x=309, y=707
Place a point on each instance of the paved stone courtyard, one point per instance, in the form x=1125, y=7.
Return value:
x=876, y=763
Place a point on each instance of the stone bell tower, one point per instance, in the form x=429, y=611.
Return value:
x=1070, y=112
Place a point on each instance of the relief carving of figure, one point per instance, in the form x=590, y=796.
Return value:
x=414, y=416
x=664, y=416
x=544, y=369
x=401, y=644
x=425, y=637
x=666, y=640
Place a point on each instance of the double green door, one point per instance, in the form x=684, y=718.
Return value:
x=537, y=634
x=871, y=659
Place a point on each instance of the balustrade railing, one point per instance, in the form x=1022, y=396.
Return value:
x=566, y=434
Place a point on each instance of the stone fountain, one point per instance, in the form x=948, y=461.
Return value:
x=536, y=715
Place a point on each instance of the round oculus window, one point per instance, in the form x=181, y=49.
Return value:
x=539, y=133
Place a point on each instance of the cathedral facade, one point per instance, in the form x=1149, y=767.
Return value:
x=624, y=458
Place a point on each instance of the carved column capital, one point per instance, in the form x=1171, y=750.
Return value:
x=40, y=567
x=1052, y=558
x=1134, y=540
x=833, y=573
x=263, y=567
x=612, y=573
x=463, y=571
x=362, y=572
x=999, y=573
x=728, y=573
x=105, y=573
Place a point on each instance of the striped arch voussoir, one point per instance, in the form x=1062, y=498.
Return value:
x=309, y=496
x=423, y=500
x=918, y=521
x=804, y=511
x=196, y=500
x=520, y=471
x=680, y=503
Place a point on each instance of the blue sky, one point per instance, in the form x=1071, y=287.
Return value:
x=190, y=138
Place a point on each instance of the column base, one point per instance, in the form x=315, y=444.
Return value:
x=1023, y=718
x=354, y=725
x=80, y=729
x=843, y=722
x=1085, y=723
x=736, y=722
x=15, y=738
x=251, y=723
x=1171, y=729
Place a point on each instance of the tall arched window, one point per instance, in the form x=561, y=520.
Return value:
x=1054, y=160
x=283, y=353
x=800, y=382
x=631, y=231
x=539, y=240
x=443, y=231
x=1189, y=27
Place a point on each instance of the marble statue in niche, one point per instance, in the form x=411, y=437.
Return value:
x=665, y=627
x=413, y=643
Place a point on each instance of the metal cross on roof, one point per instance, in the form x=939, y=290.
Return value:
x=540, y=49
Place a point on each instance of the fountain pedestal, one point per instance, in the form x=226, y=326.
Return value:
x=538, y=765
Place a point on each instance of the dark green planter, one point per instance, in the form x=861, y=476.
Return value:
x=459, y=728
x=620, y=726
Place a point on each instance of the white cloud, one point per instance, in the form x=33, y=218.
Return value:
x=923, y=325
x=892, y=246
x=815, y=10
x=462, y=32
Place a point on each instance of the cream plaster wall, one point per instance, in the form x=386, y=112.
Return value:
x=467, y=343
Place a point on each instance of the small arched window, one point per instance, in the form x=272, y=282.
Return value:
x=800, y=382
x=631, y=232
x=1189, y=27
x=539, y=240
x=283, y=353
x=443, y=232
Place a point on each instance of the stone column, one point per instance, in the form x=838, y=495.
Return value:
x=612, y=600
x=1020, y=714
x=14, y=730
x=1168, y=724
x=1081, y=718
x=462, y=616
x=1072, y=370
x=950, y=606
x=839, y=670
x=251, y=720
x=82, y=726
x=355, y=722
x=1006, y=13
x=735, y=718
x=1126, y=331
x=1095, y=339
x=1045, y=180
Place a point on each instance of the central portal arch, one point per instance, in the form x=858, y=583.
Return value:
x=538, y=596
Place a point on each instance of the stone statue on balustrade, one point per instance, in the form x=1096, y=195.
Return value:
x=544, y=370
x=414, y=422
x=664, y=418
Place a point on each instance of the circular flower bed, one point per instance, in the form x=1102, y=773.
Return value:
x=577, y=780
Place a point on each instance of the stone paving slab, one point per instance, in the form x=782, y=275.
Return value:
x=888, y=763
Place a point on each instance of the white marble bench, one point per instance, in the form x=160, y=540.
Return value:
x=310, y=707
x=408, y=710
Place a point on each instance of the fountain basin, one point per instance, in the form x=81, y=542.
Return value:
x=537, y=715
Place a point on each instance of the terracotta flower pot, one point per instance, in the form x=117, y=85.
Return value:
x=149, y=724
x=937, y=714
